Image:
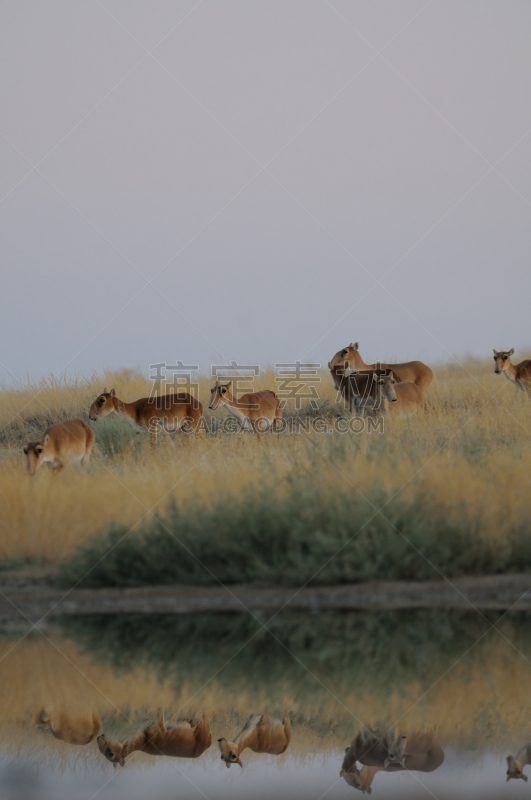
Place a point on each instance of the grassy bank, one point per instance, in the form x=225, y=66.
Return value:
x=455, y=481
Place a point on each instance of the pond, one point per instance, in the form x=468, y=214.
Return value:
x=417, y=704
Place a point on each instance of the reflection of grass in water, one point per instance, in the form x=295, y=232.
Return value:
x=376, y=667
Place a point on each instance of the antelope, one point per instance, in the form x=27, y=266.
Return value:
x=181, y=740
x=71, y=729
x=71, y=440
x=403, y=398
x=515, y=766
x=261, y=734
x=378, y=753
x=358, y=388
x=167, y=412
x=413, y=371
x=519, y=374
x=262, y=410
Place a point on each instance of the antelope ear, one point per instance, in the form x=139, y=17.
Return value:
x=341, y=773
x=356, y=346
x=509, y=759
x=375, y=377
x=511, y=351
x=228, y=384
x=26, y=450
x=46, y=439
x=104, y=390
x=112, y=393
x=494, y=351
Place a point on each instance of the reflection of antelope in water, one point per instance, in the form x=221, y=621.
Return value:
x=262, y=734
x=181, y=739
x=80, y=729
x=515, y=765
x=420, y=752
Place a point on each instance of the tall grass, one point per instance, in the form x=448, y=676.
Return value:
x=461, y=469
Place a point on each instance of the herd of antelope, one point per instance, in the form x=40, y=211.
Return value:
x=368, y=754
x=370, y=388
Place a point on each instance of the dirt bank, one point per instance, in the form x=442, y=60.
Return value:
x=29, y=596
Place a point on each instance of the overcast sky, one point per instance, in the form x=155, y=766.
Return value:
x=262, y=180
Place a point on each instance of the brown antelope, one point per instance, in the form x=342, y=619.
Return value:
x=358, y=389
x=261, y=734
x=70, y=728
x=167, y=412
x=419, y=752
x=181, y=740
x=71, y=440
x=519, y=374
x=413, y=371
x=515, y=765
x=262, y=410
x=402, y=398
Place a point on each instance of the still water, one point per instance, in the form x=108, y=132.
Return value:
x=402, y=705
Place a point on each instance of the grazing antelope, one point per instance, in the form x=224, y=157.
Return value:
x=519, y=374
x=358, y=389
x=402, y=398
x=378, y=753
x=413, y=371
x=261, y=734
x=181, y=740
x=73, y=729
x=71, y=440
x=515, y=766
x=167, y=412
x=261, y=409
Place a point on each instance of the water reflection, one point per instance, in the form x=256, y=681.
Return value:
x=261, y=734
x=181, y=739
x=515, y=765
x=380, y=752
x=70, y=726
x=226, y=689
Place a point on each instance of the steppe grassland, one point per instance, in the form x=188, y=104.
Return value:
x=469, y=453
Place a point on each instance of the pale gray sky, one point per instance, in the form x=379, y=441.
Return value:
x=264, y=165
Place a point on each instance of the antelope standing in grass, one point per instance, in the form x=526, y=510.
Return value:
x=168, y=412
x=262, y=410
x=413, y=371
x=261, y=734
x=404, y=398
x=358, y=389
x=515, y=766
x=519, y=374
x=62, y=443
x=181, y=740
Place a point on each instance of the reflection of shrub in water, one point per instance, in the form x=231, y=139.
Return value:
x=347, y=652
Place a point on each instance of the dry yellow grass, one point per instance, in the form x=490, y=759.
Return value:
x=470, y=453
